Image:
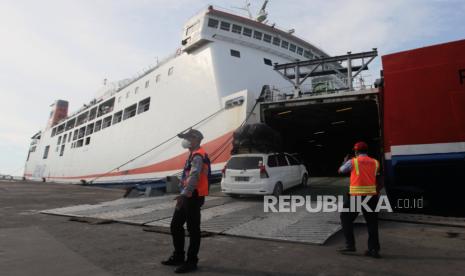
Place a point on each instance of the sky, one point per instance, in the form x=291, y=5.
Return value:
x=64, y=49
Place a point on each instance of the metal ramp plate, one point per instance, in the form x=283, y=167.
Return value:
x=220, y=215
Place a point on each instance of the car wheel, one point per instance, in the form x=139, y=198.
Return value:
x=278, y=189
x=304, y=180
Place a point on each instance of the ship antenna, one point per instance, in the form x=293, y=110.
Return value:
x=262, y=13
x=246, y=8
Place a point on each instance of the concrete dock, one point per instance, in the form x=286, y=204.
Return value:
x=32, y=243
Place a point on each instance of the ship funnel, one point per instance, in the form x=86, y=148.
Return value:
x=58, y=113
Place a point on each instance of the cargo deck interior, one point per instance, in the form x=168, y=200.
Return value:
x=323, y=132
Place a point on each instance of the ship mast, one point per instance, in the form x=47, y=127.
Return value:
x=246, y=8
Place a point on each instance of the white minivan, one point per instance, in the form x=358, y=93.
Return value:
x=262, y=174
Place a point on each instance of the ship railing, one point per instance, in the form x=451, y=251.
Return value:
x=120, y=85
x=150, y=69
x=326, y=87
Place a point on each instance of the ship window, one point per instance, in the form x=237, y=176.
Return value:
x=92, y=113
x=144, y=105
x=292, y=48
x=170, y=71
x=70, y=124
x=127, y=94
x=79, y=143
x=235, y=53
x=158, y=78
x=62, y=150
x=60, y=128
x=59, y=140
x=257, y=35
x=130, y=112
x=213, y=23
x=54, y=131
x=117, y=117
x=119, y=99
x=267, y=38
x=284, y=44
x=136, y=90
x=267, y=61
x=247, y=32
x=82, y=118
x=236, y=29
x=300, y=51
x=75, y=135
x=69, y=136
x=98, y=125
x=147, y=83
x=47, y=148
x=276, y=41
x=90, y=129
x=307, y=54
x=225, y=26
x=82, y=132
x=64, y=138
x=87, y=140
x=106, y=107
x=106, y=122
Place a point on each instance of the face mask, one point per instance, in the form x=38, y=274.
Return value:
x=186, y=144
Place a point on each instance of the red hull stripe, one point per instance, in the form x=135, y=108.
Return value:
x=219, y=149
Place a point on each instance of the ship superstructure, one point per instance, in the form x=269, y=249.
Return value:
x=210, y=83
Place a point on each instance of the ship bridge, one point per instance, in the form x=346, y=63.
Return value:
x=321, y=123
x=217, y=24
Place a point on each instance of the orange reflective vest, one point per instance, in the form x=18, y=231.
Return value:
x=202, y=185
x=363, y=176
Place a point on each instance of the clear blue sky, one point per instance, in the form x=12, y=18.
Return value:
x=63, y=49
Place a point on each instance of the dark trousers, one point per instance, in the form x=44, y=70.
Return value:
x=371, y=218
x=188, y=213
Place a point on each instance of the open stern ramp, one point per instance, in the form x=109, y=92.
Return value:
x=220, y=215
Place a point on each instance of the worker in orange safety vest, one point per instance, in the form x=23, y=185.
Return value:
x=194, y=188
x=363, y=172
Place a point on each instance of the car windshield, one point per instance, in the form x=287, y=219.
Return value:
x=244, y=163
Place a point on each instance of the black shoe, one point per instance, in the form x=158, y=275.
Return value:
x=373, y=254
x=186, y=267
x=346, y=250
x=174, y=261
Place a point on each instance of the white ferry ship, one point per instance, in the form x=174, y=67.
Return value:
x=211, y=83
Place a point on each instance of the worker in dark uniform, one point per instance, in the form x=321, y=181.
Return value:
x=194, y=188
x=363, y=171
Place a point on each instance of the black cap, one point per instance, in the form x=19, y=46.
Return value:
x=191, y=133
